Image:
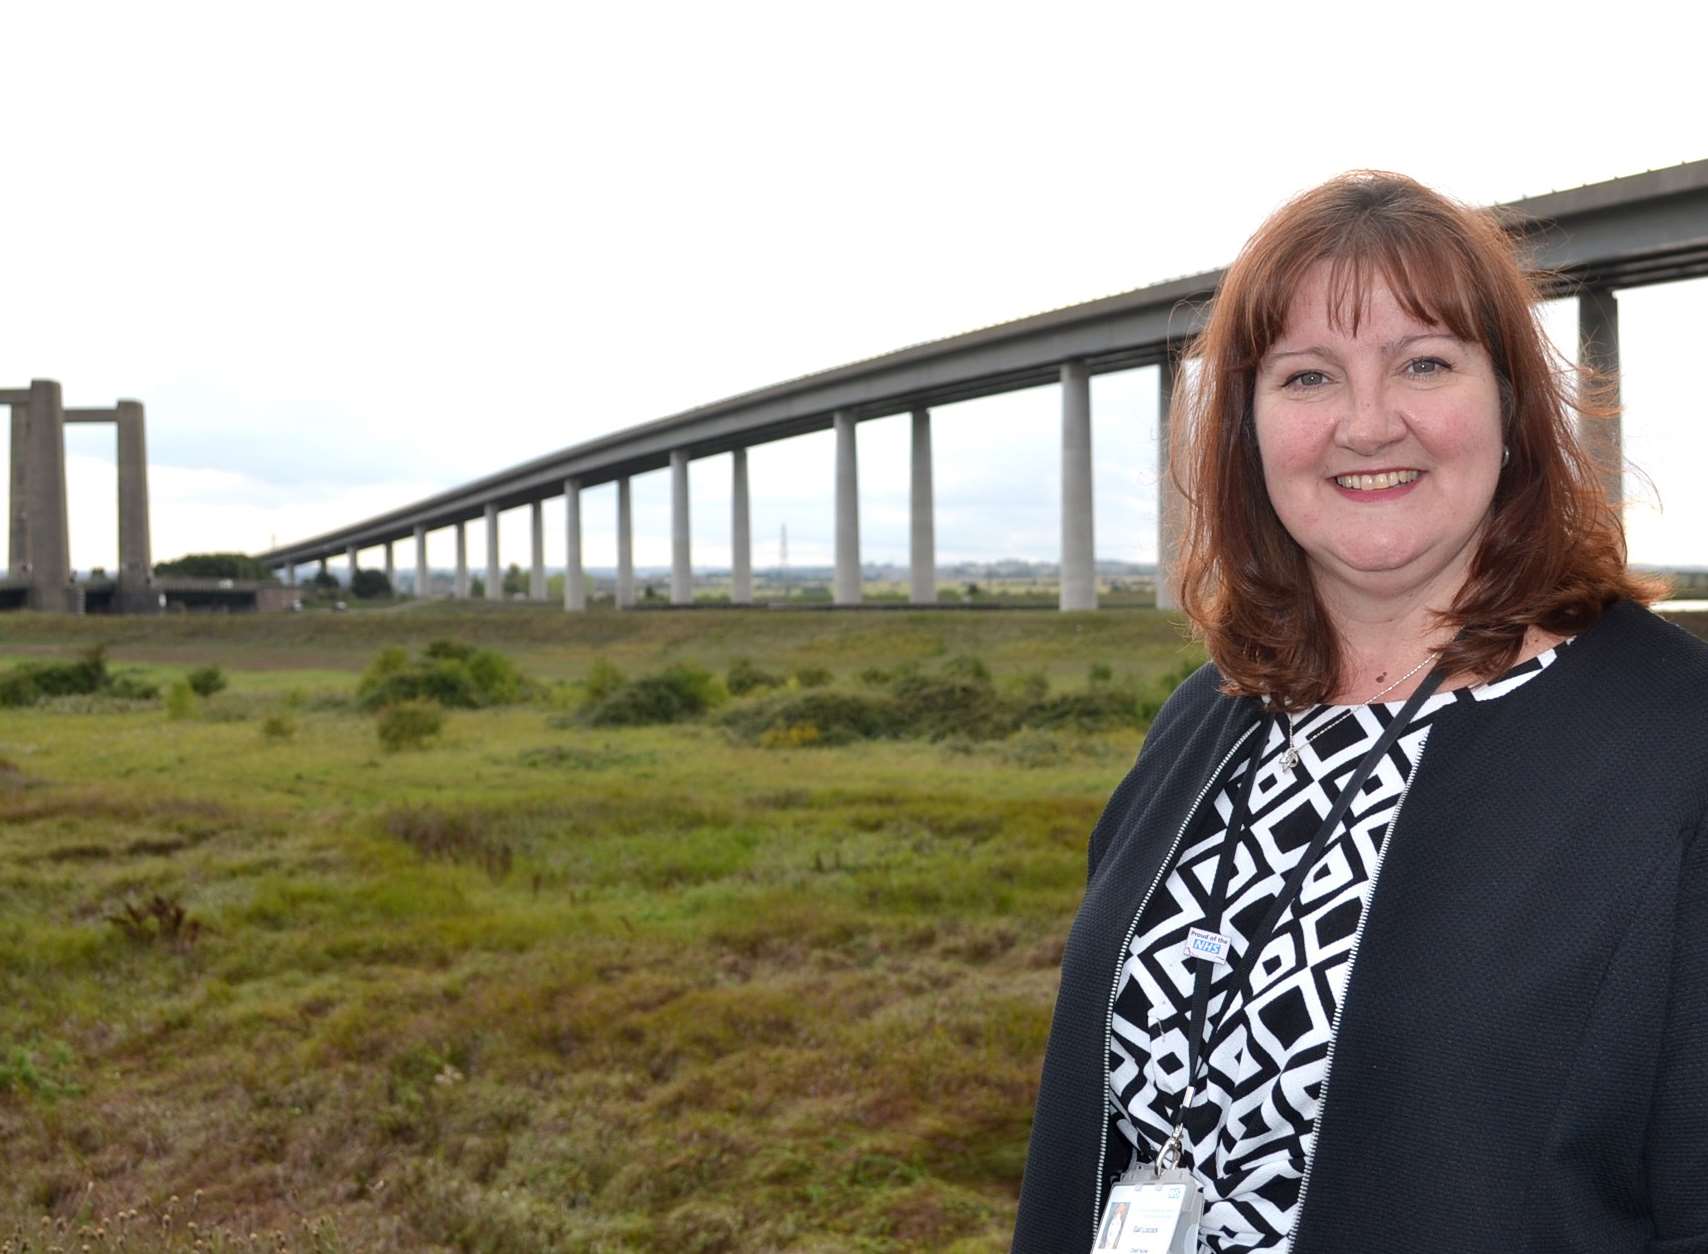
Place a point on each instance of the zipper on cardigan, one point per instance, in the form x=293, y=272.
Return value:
x=1121, y=966
x=1346, y=995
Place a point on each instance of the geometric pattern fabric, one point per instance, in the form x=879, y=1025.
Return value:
x=1250, y=1130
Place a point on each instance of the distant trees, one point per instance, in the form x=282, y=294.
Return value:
x=216, y=566
x=368, y=584
x=515, y=582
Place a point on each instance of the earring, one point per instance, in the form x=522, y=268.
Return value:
x=1505, y=456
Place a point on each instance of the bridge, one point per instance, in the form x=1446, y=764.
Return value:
x=1593, y=240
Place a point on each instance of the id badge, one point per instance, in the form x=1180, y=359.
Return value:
x=1155, y=1215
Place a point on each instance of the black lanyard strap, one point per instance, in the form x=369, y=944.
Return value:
x=1197, y=1049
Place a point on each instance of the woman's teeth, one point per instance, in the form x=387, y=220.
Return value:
x=1371, y=483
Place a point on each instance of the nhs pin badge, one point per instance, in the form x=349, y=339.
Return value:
x=1206, y=946
x=1155, y=1216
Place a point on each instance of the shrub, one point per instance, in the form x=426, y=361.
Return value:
x=812, y=676
x=447, y=673
x=603, y=679
x=180, y=701
x=1029, y=688
x=204, y=681
x=278, y=727
x=456, y=650
x=366, y=585
x=877, y=677
x=1100, y=709
x=32, y=682
x=968, y=668
x=744, y=677
x=677, y=693
x=132, y=688
x=65, y=679
x=18, y=688
x=1099, y=675
x=409, y=725
x=835, y=718
x=935, y=707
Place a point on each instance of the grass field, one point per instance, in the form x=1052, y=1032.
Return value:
x=539, y=986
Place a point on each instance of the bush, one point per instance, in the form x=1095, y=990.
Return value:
x=877, y=677
x=936, y=707
x=603, y=679
x=204, y=681
x=1099, y=675
x=367, y=585
x=18, y=688
x=32, y=682
x=447, y=673
x=217, y=566
x=278, y=727
x=131, y=688
x=180, y=701
x=409, y=725
x=1029, y=688
x=812, y=676
x=1100, y=709
x=744, y=677
x=456, y=650
x=967, y=668
x=824, y=718
x=680, y=692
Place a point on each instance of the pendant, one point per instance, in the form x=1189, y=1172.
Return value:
x=1290, y=758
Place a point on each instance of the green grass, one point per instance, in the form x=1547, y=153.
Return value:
x=539, y=985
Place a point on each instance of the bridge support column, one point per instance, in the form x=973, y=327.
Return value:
x=290, y=574
x=625, y=546
x=494, y=573
x=740, y=533
x=1598, y=348
x=847, y=584
x=350, y=555
x=48, y=531
x=681, y=568
x=460, y=580
x=423, y=576
x=390, y=567
x=537, y=551
x=574, y=581
x=1170, y=505
x=17, y=507
x=136, y=563
x=922, y=551
x=1079, y=575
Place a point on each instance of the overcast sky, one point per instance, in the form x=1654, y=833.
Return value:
x=351, y=254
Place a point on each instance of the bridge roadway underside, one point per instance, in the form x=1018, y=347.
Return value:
x=1627, y=232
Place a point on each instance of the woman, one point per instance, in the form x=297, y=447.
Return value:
x=1431, y=674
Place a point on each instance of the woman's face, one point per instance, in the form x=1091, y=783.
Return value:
x=1381, y=450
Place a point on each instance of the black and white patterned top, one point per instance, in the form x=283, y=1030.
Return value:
x=1251, y=1128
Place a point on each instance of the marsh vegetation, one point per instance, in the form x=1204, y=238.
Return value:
x=773, y=972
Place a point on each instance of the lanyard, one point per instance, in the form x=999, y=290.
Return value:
x=1240, y=818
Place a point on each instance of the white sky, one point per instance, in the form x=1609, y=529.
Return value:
x=350, y=254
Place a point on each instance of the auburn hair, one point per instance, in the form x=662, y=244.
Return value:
x=1552, y=552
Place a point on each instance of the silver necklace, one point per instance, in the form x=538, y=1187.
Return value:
x=1290, y=757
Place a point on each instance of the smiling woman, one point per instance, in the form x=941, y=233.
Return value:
x=1394, y=544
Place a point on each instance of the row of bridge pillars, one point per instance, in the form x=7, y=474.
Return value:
x=1598, y=334
x=39, y=532
x=1078, y=579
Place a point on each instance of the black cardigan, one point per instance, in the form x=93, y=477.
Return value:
x=1522, y=1060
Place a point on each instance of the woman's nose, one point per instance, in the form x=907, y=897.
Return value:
x=1371, y=421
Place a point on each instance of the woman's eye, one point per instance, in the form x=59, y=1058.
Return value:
x=1425, y=367
x=1306, y=379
